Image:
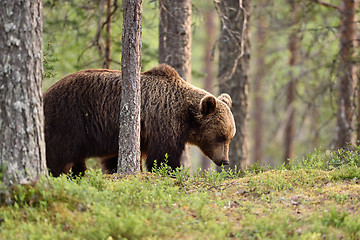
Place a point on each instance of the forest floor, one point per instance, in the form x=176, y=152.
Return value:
x=317, y=199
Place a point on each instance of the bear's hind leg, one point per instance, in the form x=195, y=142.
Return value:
x=109, y=164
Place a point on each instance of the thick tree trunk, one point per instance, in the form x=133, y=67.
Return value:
x=233, y=76
x=107, y=53
x=258, y=91
x=347, y=75
x=129, y=134
x=289, y=132
x=175, y=42
x=175, y=36
x=209, y=80
x=22, y=145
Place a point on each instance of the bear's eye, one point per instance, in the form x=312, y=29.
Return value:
x=221, y=138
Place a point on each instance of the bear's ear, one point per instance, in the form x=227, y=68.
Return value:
x=226, y=99
x=207, y=105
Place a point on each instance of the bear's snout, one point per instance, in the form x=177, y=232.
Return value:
x=225, y=162
x=222, y=162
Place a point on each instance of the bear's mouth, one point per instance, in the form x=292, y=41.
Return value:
x=223, y=162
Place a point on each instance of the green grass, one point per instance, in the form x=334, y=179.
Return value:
x=316, y=199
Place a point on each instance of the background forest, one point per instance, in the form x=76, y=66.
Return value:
x=75, y=37
x=294, y=89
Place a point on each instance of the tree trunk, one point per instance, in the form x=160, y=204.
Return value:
x=258, y=90
x=233, y=76
x=98, y=37
x=347, y=74
x=107, y=53
x=289, y=132
x=209, y=79
x=129, y=134
x=175, y=42
x=22, y=144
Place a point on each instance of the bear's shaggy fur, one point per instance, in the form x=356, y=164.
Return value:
x=82, y=119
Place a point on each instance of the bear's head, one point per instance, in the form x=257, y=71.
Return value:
x=213, y=127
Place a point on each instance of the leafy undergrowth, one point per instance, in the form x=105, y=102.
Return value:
x=317, y=199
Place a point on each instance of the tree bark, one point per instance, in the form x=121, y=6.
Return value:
x=107, y=53
x=22, y=144
x=210, y=77
x=175, y=42
x=347, y=75
x=258, y=90
x=289, y=132
x=98, y=37
x=129, y=134
x=233, y=75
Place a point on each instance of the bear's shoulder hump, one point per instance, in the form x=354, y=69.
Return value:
x=163, y=70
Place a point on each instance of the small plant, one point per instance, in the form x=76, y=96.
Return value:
x=95, y=178
x=348, y=156
x=314, y=160
x=334, y=218
x=181, y=175
x=214, y=178
x=49, y=61
x=164, y=169
x=253, y=169
x=24, y=195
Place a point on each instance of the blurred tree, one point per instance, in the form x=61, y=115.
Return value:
x=107, y=52
x=347, y=74
x=294, y=42
x=233, y=76
x=258, y=94
x=129, y=133
x=209, y=80
x=344, y=131
x=22, y=145
x=175, y=43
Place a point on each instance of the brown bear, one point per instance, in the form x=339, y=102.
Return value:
x=82, y=120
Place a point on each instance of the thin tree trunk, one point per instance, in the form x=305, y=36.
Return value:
x=175, y=42
x=233, y=76
x=210, y=77
x=107, y=57
x=347, y=75
x=98, y=37
x=22, y=144
x=314, y=111
x=129, y=134
x=289, y=132
x=258, y=91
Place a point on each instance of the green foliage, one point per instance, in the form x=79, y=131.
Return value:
x=164, y=169
x=341, y=157
x=72, y=29
x=300, y=203
x=274, y=225
x=49, y=61
x=333, y=217
x=315, y=160
x=85, y=208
